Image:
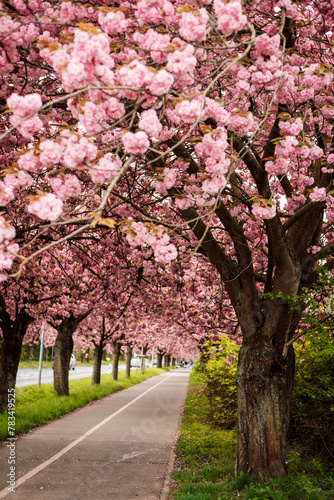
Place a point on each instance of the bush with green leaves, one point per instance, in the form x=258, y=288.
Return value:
x=219, y=377
x=312, y=412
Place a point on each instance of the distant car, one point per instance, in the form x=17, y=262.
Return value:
x=72, y=363
x=136, y=363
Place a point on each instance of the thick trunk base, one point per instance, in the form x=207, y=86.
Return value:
x=159, y=360
x=128, y=362
x=10, y=352
x=97, y=361
x=115, y=360
x=264, y=381
x=63, y=351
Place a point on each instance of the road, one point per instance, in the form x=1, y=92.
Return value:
x=114, y=449
x=29, y=376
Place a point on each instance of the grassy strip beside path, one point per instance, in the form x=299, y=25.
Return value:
x=204, y=465
x=35, y=406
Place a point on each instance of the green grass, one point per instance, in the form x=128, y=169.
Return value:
x=35, y=406
x=205, y=458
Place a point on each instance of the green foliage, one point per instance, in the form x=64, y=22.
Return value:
x=315, y=306
x=219, y=377
x=35, y=406
x=205, y=457
x=312, y=415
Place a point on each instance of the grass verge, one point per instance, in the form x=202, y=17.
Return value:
x=204, y=464
x=35, y=406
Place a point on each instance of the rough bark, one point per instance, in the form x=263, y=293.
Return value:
x=173, y=361
x=10, y=352
x=128, y=362
x=116, y=349
x=264, y=381
x=167, y=360
x=63, y=351
x=159, y=360
x=97, y=360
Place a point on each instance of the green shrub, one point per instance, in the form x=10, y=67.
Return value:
x=312, y=415
x=219, y=377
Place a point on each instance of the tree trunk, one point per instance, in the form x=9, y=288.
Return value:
x=264, y=382
x=10, y=352
x=167, y=360
x=97, y=360
x=159, y=360
x=32, y=353
x=128, y=362
x=63, y=351
x=173, y=361
x=116, y=349
x=143, y=359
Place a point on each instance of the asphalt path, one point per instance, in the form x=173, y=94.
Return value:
x=29, y=376
x=117, y=449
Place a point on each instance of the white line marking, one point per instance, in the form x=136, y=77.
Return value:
x=67, y=448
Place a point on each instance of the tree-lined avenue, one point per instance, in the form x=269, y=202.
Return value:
x=125, y=458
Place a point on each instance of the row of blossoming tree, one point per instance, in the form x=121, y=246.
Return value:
x=180, y=125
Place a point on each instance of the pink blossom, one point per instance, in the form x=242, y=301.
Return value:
x=318, y=194
x=78, y=152
x=230, y=17
x=29, y=161
x=183, y=203
x=189, y=111
x=214, y=185
x=215, y=110
x=161, y=83
x=7, y=232
x=18, y=179
x=66, y=186
x=105, y=170
x=154, y=11
x=136, y=143
x=169, y=178
x=265, y=45
x=135, y=74
x=165, y=253
x=22, y=107
x=261, y=211
x=315, y=153
x=182, y=61
x=113, y=22
x=150, y=123
x=7, y=255
x=242, y=122
x=303, y=152
x=6, y=194
x=291, y=8
x=51, y=153
x=279, y=167
x=46, y=207
x=193, y=25
x=291, y=127
x=330, y=158
x=155, y=42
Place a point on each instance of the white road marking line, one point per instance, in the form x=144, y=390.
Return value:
x=62, y=452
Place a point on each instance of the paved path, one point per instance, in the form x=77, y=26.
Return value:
x=116, y=449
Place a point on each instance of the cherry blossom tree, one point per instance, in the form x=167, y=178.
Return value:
x=203, y=125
